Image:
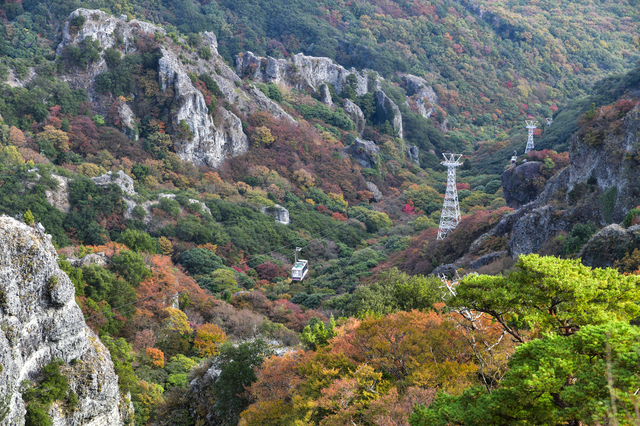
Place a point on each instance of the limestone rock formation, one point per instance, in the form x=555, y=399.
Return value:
x=364, y=152
x=216, y=135
x=325, y=95
x=59, y=197
x=120, y=178
x=522, y=184
x=391, y=110
x=278, y=212
x=422, y=93
x=356, y=115
x=209, y=144
x=300, y=71
x=39, y=322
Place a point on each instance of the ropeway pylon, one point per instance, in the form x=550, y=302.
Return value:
x=450, y=209
x=531, y=125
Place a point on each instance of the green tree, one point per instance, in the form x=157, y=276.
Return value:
x=137, y=240
x=237, y=366
x=586, y=378
x=130, y=266
x=28, y=218
x=550, y=295
x=316, y=334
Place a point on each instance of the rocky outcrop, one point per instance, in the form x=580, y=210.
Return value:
x=208, y=144
x=487, y=259
x=356, y=115
x=59, y=197
x=39, y=322
x=120, y=178
x=373, y=188
x=278, y=212
x=325, y=95
x=606, y=246
x=215, y=135
x=300, y=71
x=609, y=164
x=414, y=153
x=128, y=123
x=522, y=184
x=391, y=111
x=364, y=152
x=106, y=30
x=423, y=94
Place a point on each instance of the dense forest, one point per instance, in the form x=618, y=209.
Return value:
x=183, y=269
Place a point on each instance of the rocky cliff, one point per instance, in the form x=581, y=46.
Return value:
x=215, y=135
x=302, y=72
x=522, y=184
x=39, y=322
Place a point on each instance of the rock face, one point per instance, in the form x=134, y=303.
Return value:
x=522, y=184
x=40, y=321
x=355, y=114
x=278, y=212
x=364, y=152
x=391, y=110
x=120, y=178
x=216, y=135
x=209, y=144
x=414, y=153
x=105, y=29
x=610, y=165
x=603, y=248
x=299, y=71
x=423, y=94
x=373, y=188
x=59, y=197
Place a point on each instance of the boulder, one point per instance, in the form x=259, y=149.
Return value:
x=373, y=188
x=364, y=152
x=120, y=178
x=414, y=153
x=278, y=212
x=522, y=184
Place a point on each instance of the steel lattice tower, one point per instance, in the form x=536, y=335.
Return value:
x=450, y=209
x=549, y=121
x=531, y=125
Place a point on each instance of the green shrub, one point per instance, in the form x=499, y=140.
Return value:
x=608, y=202
x=628, y=219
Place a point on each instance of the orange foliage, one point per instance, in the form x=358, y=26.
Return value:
x=208, y=338
x=156, y=356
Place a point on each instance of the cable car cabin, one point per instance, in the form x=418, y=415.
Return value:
x=299, y=270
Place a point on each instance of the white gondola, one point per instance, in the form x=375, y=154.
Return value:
x=300, y=268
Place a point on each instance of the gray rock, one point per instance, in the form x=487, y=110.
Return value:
x=522, y=184
x=299, y=71
x=40, y=321
x=99, y=259
x=423, y=94
x=373, y=188
x=600, y=251
x=210, y=144
x=128, y=121
x=191, y=200
x=325, y=95
x=59, y=197
x=364, y=152
x=356, y=115
x=487, y=259
x=535, y=227
x=414, y=153
x=278, y=212
x=390, y=109
x=120, y=178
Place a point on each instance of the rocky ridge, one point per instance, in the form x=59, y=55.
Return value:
x=39, y=322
